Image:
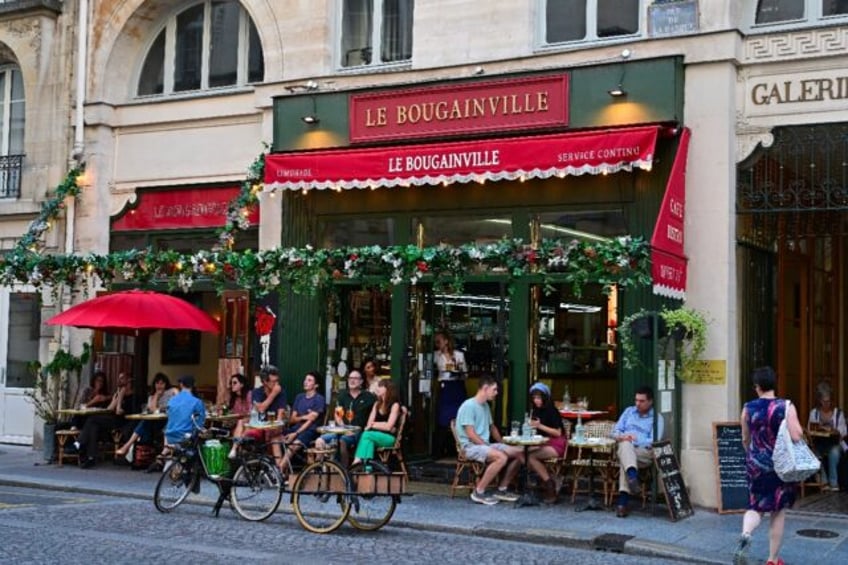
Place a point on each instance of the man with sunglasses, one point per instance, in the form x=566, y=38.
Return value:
x=356, y=404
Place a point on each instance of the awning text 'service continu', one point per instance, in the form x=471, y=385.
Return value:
x=540, y=156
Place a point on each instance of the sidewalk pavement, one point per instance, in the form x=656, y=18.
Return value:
x=705, y=537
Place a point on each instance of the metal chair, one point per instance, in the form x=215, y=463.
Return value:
x=474, y=468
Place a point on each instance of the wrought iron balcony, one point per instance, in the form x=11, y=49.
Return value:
x=10, y=175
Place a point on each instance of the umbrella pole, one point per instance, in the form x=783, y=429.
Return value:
x=141, y=354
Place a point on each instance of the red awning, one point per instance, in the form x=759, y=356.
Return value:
x=668, y=261
x=541, y=156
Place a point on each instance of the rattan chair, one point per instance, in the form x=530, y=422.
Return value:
x=474, y=469
x=557, y=466
x=602, y=461
x=385, y=454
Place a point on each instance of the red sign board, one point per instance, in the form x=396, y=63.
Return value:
x=183, y=208
x=540, y=156
x=669, y=262
x=503, y=105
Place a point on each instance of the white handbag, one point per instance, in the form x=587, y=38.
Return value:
x=793, y=460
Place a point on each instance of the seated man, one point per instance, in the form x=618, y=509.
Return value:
x=122, y=403
x=474, y=428
x=307, y=414
x=634, y=433
x=354, y=402
x=182, y=408
x=268, y=398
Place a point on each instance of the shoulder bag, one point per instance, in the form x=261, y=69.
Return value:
x=793, y=460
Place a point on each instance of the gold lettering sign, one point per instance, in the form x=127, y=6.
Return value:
x=712, y=372
x=768, y=93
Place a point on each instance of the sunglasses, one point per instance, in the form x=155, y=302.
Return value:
x=235, y=383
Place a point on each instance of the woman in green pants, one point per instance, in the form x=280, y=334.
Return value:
x=382, y=423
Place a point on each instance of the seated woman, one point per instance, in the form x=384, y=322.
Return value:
x=157, y=402
x=95, y=426
x=240, y=403
x=545, y=420
x=95, y=395
x=831, y=420
x=307, y=414
x=382, y=423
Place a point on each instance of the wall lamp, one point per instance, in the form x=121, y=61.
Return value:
x=312, y=117
x=617, y=91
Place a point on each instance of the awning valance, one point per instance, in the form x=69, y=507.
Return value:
x=540, y=156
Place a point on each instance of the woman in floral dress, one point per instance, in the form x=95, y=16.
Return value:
x=761, y=420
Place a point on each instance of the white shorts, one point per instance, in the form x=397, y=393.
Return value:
x=476, y=452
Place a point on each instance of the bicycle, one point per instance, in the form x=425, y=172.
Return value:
x=325, y=495
x=254, y=490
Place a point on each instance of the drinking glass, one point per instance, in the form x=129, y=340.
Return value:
x=515, y=430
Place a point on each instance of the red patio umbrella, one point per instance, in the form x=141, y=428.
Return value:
x=136, y=312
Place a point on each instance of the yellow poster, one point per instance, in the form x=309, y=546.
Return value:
x=713, y=372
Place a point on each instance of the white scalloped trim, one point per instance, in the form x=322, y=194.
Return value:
x=669, y=292
x=603, y=169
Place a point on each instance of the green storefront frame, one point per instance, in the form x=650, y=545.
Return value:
x=655, y=91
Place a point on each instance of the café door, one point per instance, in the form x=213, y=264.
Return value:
x=476, y=321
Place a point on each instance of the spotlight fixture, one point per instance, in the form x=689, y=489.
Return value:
x=310, y=119
x=617, y=92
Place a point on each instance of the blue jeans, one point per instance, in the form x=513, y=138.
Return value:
x=833, y=456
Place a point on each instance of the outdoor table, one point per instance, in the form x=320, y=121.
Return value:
x=582, y=414
x=84, y=411
x=339, y=430
x=148, y=416
x=591, y=444
x=225, y=418
x=824, y=433
x=527, y=498
x=264, y=425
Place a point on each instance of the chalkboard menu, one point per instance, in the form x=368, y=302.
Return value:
x=668, y=470
x=731, y=476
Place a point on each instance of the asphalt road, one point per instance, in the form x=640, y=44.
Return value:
x=40, y=526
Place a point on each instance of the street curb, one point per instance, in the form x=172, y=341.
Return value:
x=635, y=547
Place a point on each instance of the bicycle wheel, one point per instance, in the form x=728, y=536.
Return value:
x=320, y=497
x=256, y=489
x=370, y=510
x=174, y=486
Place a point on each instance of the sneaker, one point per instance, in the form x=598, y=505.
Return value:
x=484, y=498
x=741, y=549
x=506, y=495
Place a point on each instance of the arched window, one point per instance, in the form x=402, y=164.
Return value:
x=12, y=106
x=212, y=44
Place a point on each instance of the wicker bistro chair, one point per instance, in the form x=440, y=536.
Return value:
x=474, y=468
x=817, y=480
x=385, y=454
x=556, y=466
x=602, y=461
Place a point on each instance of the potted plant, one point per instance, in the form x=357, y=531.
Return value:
x=50, y=391
x=684, y=327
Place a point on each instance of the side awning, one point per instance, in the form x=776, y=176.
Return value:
x=540, y=156
x=668, y=261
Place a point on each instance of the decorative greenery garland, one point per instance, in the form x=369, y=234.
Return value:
x=622, y=261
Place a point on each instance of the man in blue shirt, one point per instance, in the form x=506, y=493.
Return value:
x=181, y=409
x=634, y=433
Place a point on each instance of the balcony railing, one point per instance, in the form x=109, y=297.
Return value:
x=10, y=175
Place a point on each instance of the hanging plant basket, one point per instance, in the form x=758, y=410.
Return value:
x=683, y=328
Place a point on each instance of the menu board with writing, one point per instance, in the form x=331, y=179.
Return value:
x=668, y=469
x=731, y=476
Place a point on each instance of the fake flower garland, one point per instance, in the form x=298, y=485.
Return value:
x=622, y=261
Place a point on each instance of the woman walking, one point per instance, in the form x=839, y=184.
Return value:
x=761, y=420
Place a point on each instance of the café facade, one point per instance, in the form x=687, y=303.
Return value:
x=534, y=156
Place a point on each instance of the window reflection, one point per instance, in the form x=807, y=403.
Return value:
x=357, y=232
x=771, y=11
x=453, y=230
x=583, y=224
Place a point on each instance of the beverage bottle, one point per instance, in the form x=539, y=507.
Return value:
x=254, y=414
x=528, y=431
x=566, y=398
x=579, y=430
